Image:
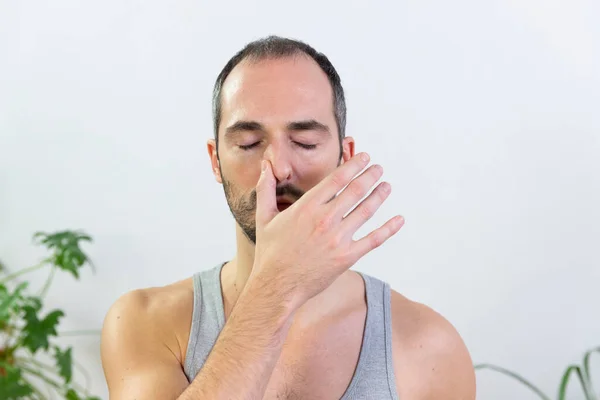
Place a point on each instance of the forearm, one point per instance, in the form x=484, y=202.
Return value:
x=246, y=352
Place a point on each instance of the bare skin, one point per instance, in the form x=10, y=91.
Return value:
x=294, y=311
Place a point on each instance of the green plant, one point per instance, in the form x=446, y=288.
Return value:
x=581, y=371
x=26, y=334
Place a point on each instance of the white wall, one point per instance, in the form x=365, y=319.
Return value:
x=485, y=115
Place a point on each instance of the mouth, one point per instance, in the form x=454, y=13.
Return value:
x=283, y=205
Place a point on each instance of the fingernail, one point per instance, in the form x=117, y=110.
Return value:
x=263, y=166
x=364, y=157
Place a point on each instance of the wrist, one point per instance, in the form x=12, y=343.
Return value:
x=269, y=301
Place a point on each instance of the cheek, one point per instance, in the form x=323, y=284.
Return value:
x=245, y=173
x=312, y=172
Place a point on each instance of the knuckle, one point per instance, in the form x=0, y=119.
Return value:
x=341, y=259
x=356, y=188
x=338, y=179
x=324, y=223
x=376, y=240
x=334, y=243
x=366, y=210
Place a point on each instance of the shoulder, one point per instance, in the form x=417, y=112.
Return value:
x=431, y=361
x=140, y=347
x=151, y=316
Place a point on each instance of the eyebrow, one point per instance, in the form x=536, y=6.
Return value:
x=295, y=126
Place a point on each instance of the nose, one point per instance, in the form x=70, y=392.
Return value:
x=278, y=155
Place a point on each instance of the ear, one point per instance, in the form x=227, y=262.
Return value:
x=211, y=146
x=347, y=149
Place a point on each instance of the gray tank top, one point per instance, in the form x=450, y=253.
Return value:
x=374, y=374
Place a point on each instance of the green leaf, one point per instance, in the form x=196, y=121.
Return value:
x=67, y=255
x=33, y=301
x=72, y=395
x=586, y=369
x=8, y=301
x=514, y=376
x=562, y=391
x=12, y=385
x=36, y=331
x=64, y=362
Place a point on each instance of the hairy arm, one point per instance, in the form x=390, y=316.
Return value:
x=243, y=358
x=431, y=360
x=138, y=363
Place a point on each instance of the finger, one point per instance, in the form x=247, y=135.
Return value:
x=376, y=238
x=356, y=190
x=325, y=190
x=266, y=201
x=366, y=209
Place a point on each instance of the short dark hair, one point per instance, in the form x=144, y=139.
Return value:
x=274, y=47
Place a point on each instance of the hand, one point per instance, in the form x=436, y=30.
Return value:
x=302, y=250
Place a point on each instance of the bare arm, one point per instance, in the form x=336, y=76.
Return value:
x=243, y=358
x=291, y=266
x=139, y=363
x=298, y=253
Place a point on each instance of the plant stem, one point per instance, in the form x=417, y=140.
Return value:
x=48, y=282
x=48, y=368
x=48, y=388
x=23, y=271
x=40, y=375
x=8, y=334
x=37, y=391
x=86, y=375
x=51, y=369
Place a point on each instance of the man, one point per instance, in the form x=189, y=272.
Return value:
x=286, y=318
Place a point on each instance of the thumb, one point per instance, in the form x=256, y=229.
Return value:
x=266, y=202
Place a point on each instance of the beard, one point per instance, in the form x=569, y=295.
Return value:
x=243, y=205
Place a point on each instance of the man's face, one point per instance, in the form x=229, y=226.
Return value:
x=282, y=111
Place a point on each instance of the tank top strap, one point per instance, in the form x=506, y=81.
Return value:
x=374, y=374
x=208, y=318
x=375, y=369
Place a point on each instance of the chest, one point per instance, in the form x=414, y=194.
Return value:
x=318, y=363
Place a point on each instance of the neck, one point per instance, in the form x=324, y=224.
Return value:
x=236, y=272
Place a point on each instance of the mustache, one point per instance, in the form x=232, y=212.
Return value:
x=289, y=190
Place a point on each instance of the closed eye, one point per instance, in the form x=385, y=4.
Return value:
x=302, y=145
x=306, y=146
x=248, y=146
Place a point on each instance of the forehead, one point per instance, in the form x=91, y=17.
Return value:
x=277, y=91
